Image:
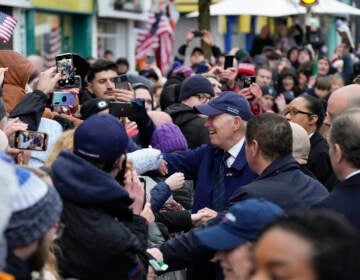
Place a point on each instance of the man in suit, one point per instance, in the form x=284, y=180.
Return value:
x=344, y=153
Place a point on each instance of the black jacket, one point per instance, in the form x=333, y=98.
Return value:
x=190, y=124
x=345, y=199
x=102, y=239
x=30, y=109
x=284, y=184
x=319, y=161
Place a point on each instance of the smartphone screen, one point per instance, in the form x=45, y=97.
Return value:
x=65, y=67
x=121, y=82
x=31, y=140
x=248, y=81
x=229, y=61
x=63, y=98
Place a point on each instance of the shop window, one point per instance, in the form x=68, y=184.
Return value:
x=111, y=36
x=53, y=35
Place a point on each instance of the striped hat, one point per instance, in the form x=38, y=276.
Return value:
x=35, y=210
x=8, y=191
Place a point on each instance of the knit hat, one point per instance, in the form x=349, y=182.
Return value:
x=241, y=55
x=145, y=160
x=260, y=60
x=246, y=69
x=7, y=194
x=185, y=71
x=168, y=138
x=100, y=137
x=93, y=106
x=301, y=142
x=194, y=85
x=36, y=209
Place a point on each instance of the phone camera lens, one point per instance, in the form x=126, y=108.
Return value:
x=63, y=99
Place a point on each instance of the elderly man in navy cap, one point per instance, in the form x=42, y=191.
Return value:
x=218, y=168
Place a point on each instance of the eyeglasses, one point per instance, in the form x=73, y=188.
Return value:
x=203, y=97
x=294, y=112
x=59, y=230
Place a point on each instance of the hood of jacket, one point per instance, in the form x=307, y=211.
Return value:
x=81, y=182
x=16, y=77
x=181, y=113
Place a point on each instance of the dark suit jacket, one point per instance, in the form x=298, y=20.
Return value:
x=319, y=161
x=345, y=199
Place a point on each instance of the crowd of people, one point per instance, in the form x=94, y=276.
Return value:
x=247, y=170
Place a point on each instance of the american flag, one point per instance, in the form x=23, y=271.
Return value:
x=52, y=45
x=158, y=37
x=7, y=26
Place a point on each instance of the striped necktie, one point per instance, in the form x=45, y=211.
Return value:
x=219, y=187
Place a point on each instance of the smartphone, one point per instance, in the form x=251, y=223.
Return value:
x=198, y=33
x=248, y=81
x=150, y=59
x=63, y=98
x=229, y=61
x=31, y=140
x=121, y=109
x=65, y=67
x=121, y=82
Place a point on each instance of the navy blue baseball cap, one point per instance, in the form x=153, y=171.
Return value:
x=269, y=90
x=100, y=137
x=243, y=222
x=227, y=102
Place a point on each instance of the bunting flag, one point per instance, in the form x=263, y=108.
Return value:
x=7, y=26
x=158, y=37
x=52, y=45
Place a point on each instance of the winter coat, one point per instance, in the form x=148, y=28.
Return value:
x=102, y=239
x=190, y=124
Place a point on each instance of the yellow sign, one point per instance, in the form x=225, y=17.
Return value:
x=83, y=6
x=187, y=6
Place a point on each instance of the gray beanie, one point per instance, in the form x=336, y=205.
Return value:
x=36, y=208
x=8, y=190
x=193, y=85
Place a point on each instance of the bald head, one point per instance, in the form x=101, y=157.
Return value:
x=38, y=64
x=342, y=99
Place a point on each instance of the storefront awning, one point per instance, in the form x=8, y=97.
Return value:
x=277, y=8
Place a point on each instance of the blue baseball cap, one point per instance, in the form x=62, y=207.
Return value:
x=243, y=222
x=100, y=137
x=269, y=90
x=228, y=102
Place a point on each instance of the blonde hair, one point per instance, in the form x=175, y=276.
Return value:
x=65, y=141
